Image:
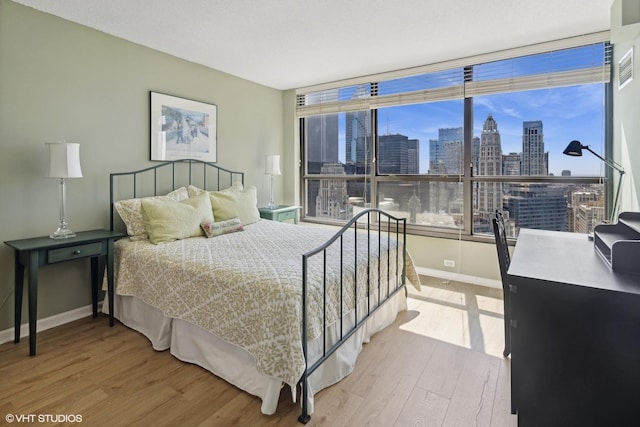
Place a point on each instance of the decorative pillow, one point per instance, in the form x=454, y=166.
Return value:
x=213, y=229
x=236, y=204
x=193, y=190
x=130, y=211
x=169, y=220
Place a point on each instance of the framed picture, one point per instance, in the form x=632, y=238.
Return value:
x=182, y=129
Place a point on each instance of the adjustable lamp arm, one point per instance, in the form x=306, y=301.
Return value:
x=620, y=169
x=575, y=149
x=611, y=163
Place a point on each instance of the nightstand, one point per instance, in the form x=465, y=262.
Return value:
x=36, y=252
x=281, y=213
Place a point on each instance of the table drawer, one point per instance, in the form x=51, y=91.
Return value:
x=283, y=216
x=72, y=252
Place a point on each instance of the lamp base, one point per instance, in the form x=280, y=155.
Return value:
x=271, y=206
x=62, y=233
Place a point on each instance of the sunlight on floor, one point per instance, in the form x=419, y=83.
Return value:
x=466, y=315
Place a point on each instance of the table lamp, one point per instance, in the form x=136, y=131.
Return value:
x=64, y=162
x=575, y=149
x=272, y=167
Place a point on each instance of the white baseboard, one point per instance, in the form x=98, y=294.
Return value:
x=449, y=275
x=49, y=322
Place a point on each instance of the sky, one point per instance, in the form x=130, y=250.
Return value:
x=567, y=113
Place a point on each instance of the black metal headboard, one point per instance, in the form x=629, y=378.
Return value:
x=165, y=177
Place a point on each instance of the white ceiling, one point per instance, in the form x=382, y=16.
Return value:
x=286, y=44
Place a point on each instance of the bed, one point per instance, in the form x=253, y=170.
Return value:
x=259, y=303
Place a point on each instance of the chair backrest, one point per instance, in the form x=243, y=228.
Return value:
x=504, y=259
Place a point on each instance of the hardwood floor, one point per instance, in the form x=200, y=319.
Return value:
x=439, y=364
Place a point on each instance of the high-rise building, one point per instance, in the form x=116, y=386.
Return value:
x=397, y=154
x=534, y=161
x=587, y=208
x=393, y=154
x=321, y=148
x=536, y=205
x=439, y=163
x=453, y=157
x=332, y=200
x=490, y=164
x=413, y=156
x=358, y=136
x=511, y=164
x=436, y=157
x=587, y=216
x=322, y=141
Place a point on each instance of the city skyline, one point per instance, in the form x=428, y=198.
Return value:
x=514, y=132
x=569, y=113
x=560, y=207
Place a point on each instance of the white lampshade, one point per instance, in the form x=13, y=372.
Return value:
x=64, y=160
x=272, y=165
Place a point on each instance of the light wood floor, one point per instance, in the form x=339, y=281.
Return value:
x=439, y=364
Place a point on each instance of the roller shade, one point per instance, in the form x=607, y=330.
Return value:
x=567, y=67
x=575, y=61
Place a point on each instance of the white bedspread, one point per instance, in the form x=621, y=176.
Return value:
x=245, y=287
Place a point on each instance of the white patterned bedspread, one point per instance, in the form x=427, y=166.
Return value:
x=246, y=286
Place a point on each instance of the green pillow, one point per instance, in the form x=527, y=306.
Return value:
x=236, y=204
x=168, y=220
x=131, y=212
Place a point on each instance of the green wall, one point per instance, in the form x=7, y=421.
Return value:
x=63, y=81
x=626, y=103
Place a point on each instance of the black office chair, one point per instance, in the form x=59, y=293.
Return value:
x=504, y=259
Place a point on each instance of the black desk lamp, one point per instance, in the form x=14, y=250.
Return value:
x=575, y=149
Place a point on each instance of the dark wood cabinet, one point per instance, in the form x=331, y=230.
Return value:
x=575, y=335
x=31, y=254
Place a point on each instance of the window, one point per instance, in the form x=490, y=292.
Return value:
x=448, y=146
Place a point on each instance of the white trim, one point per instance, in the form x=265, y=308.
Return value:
x=49, y=322
x=448, y=275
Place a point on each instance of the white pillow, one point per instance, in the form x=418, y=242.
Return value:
x=130, y=211
x=193, y=190
x=236, y=204
x=169, y=220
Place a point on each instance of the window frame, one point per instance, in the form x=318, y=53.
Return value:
x=466, y=177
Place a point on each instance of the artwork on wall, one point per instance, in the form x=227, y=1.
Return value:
x=182, y=129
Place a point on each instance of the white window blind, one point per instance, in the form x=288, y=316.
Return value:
x=575, y=61
x=566, y=67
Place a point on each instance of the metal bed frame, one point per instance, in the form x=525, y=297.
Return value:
x=195, y=172
x=373, y=227
x=372, y=223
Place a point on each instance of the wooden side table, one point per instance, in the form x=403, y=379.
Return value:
x=281, y=213
x=36, y=252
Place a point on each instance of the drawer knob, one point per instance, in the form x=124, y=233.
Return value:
x=76, y=252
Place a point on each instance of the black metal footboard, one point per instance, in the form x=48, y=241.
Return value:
x=385, y=240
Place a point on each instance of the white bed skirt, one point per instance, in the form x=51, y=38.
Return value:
x=193, y=344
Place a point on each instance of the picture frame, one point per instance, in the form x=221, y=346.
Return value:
x=182, y=128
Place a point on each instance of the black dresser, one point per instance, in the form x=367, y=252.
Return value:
x=575, y=343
